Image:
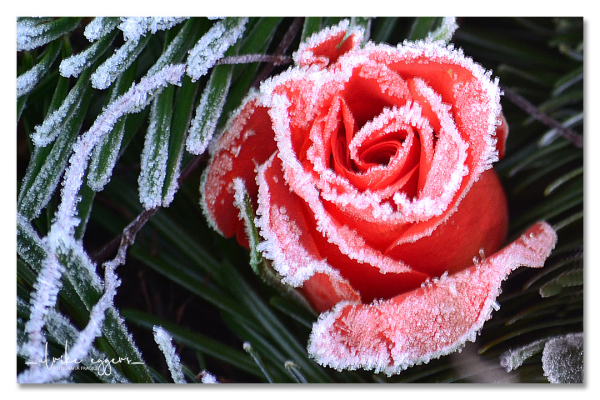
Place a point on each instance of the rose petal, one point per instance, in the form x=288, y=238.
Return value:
x=248, y=141
x=325, y=47
x=501, y=135
x=282, y=224
x=295, y=243
x=479, y=224
x=435, y=320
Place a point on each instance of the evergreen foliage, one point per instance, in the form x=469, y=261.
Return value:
x=110, y=151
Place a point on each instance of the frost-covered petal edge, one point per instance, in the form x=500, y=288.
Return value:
x=413, y=328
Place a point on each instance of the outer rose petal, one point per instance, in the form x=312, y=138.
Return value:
x=325, y=47
x=246, y=143
x=295, y=256
x=480, y=223
x=427, y=323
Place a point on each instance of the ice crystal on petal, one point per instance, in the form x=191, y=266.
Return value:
x=435, y=320
x=282, y=244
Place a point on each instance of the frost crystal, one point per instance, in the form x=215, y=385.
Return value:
x=562, y=359
x=74, y=65
x=164, y=342
x=28, y=80
x=99, y=27
x=114, y=66
x=30, y=33
x=212, y=46
x=207, y=114
x=154, y=160
x=135, y=27
x=445, y=31
x=514, y=358
x=207, y=377
x=50, y=128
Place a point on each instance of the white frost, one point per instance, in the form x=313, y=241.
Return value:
x=207, y=116
x=135, y=27
x=99, y=27
x=562, y=359
x=154, y=161
x=213, y=44
x=30, y=33
x=164, y=342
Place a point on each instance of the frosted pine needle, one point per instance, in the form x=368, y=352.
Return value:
x=135, y=27
x=212, y=46
x=99, y=27
x=114, y=66
x=445, y=31
x=209, y=110
x=164, y=342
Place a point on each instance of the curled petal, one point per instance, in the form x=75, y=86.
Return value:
x=246, y=143
x=282, y=223
x=429, y=322
x=325, y=47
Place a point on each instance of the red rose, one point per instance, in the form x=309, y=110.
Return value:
x=370, y=172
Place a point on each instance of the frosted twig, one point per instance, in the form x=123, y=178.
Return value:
x=44, y=297
x=144, y=216
x=293, y=30
x=135, y=99
x=252, y=58
x=165, y=343
x=62, y=230
x=86, y=338
x=532, y=110
x=93, y=329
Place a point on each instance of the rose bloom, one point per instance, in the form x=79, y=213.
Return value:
x=370, y=171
